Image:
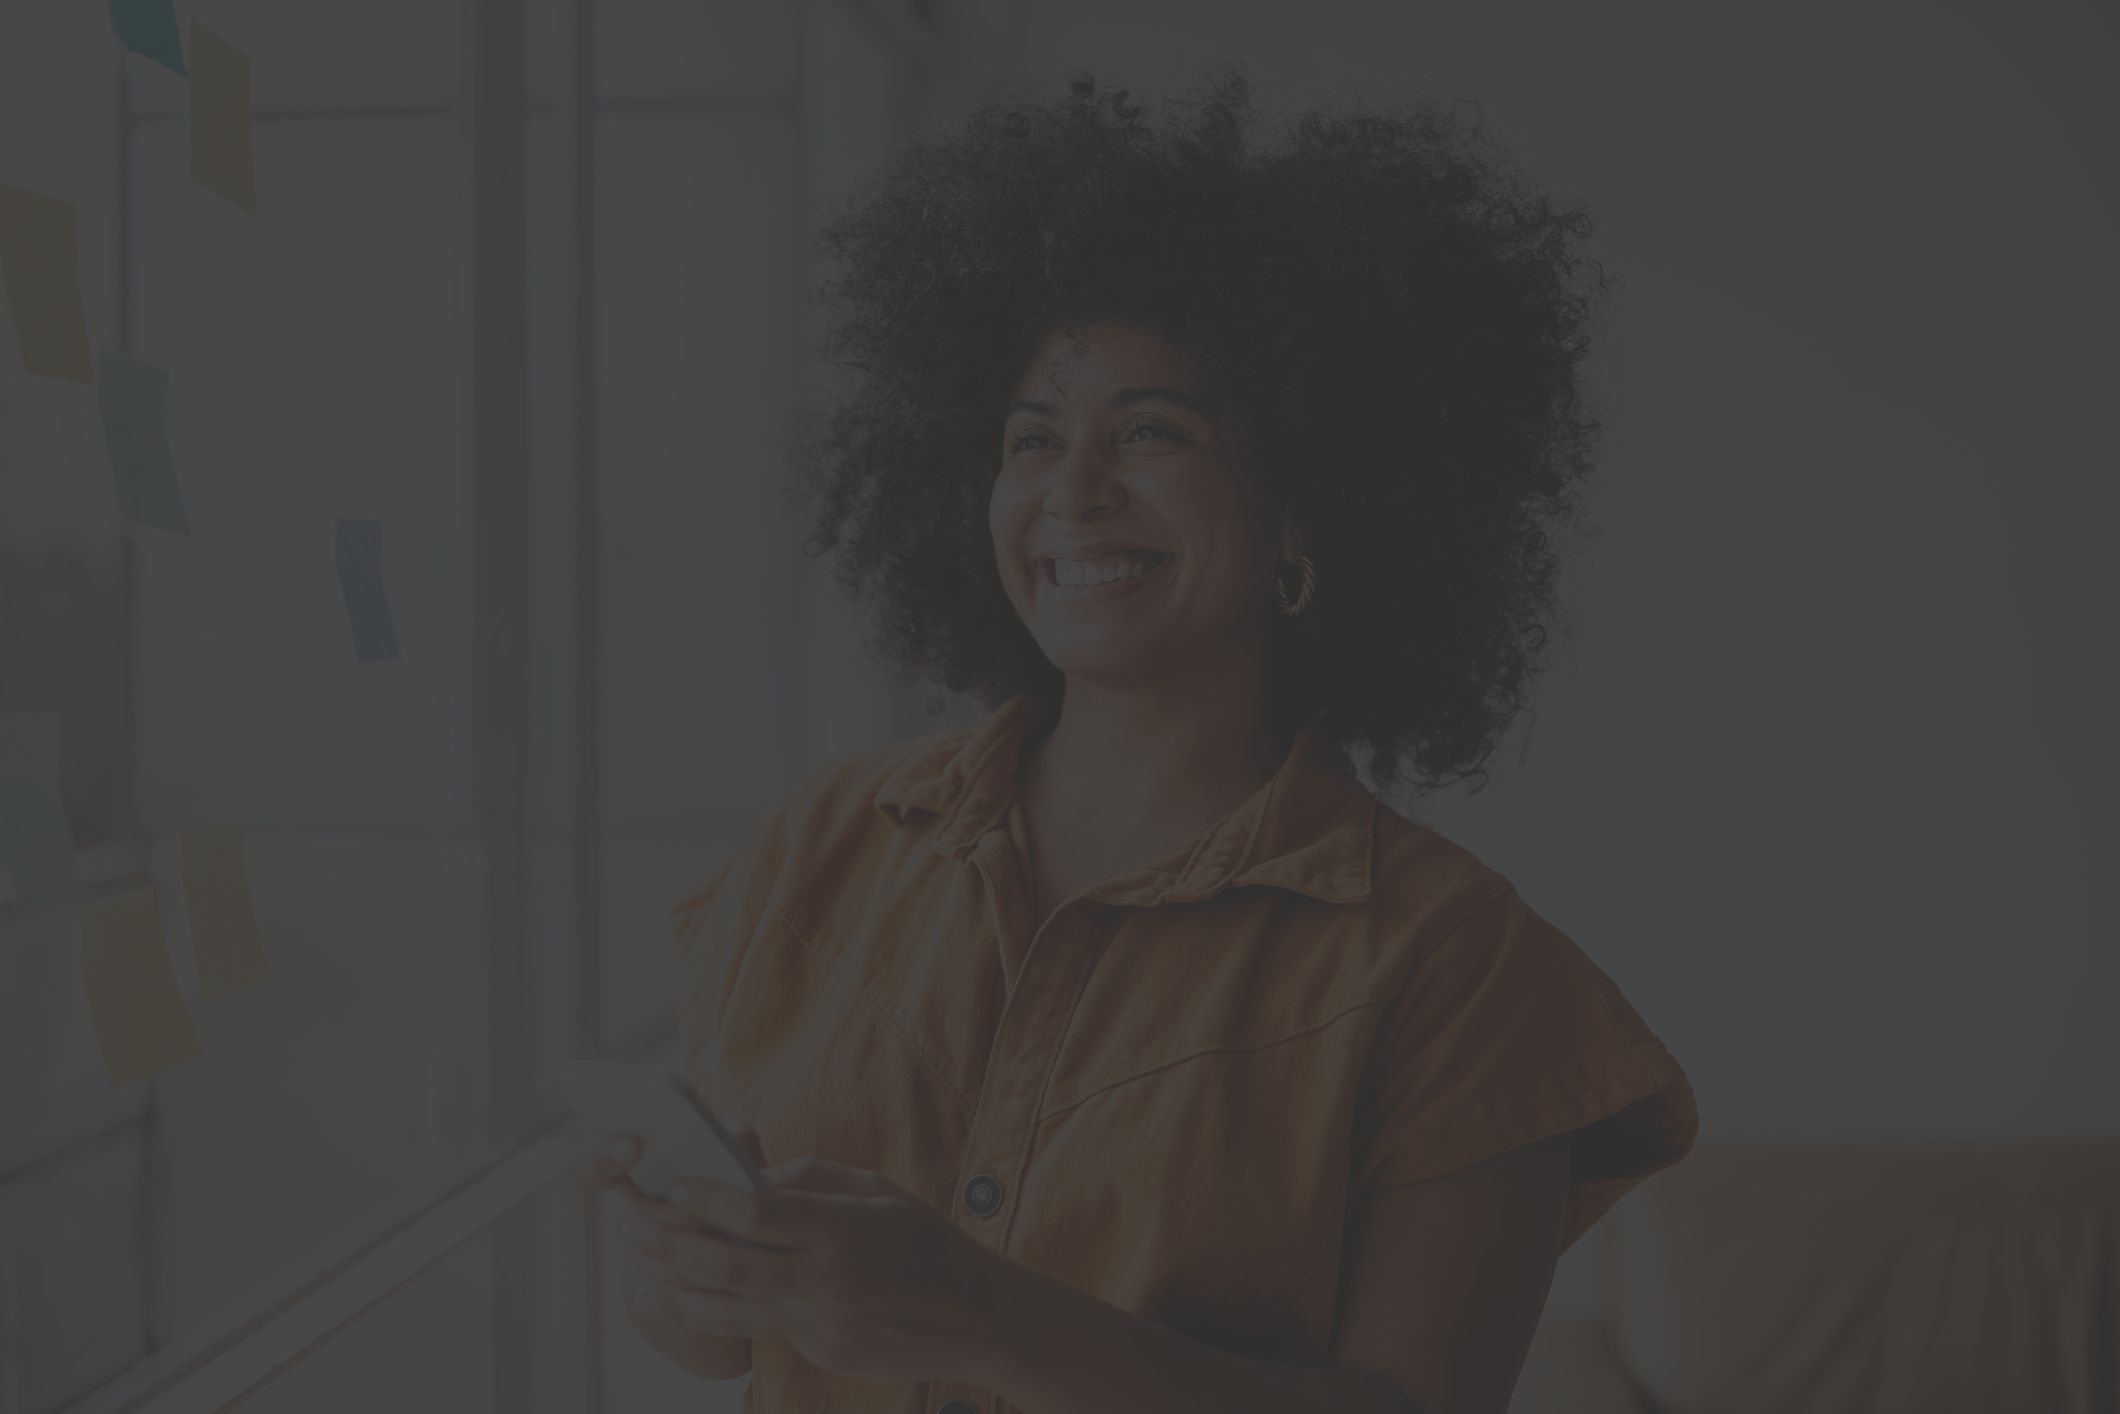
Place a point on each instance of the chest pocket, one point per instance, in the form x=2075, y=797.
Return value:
x=1208, y=1194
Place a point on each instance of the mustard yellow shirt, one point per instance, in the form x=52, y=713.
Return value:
x=1173, y=1094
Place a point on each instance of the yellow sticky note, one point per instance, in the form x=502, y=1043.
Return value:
x=42, y=268
x=224, y=929
x=220, y=118
x=132, y=989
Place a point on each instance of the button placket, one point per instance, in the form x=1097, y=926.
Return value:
x=1033, y=1024
x=1027, y=1038
x=1008, y=914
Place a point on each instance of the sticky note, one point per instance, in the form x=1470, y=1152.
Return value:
x=149, y=28
x=135, y=401
x=36, y=841
x=220, y=118
x=361, y=577
x=132, y=989
x=224, y=929
x=42, y=269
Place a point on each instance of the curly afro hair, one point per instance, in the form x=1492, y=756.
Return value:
x=1402, y=317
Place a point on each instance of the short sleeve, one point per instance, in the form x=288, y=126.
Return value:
x=1505, y=1033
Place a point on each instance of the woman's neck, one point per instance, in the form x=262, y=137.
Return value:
x=1150, y=767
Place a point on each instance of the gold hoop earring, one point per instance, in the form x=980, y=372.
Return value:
x=1309, y=573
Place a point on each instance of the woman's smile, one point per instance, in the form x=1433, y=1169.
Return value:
x=1109, y=577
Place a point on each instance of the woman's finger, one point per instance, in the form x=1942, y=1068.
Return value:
x=706, y=1261
x=605, y=1159
x=643, y=1217
x=641, y=1271
x=643, y=1213
x=761, y=1217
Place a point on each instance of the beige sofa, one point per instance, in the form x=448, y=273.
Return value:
x=1851, y=1278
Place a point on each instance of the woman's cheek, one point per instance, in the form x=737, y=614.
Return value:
x=1007, y=524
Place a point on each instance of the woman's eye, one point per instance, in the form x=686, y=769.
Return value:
x=1158, y=428
x=1027, y=440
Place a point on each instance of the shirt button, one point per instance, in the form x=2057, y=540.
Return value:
x=983, y=1196
x=958, y=1406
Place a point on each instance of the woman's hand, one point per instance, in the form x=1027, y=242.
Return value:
x=603, y=1167
x=858, y=1275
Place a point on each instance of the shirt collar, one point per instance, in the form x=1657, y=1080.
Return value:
x=1310, y=829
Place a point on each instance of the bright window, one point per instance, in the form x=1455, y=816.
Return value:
x=456, y=884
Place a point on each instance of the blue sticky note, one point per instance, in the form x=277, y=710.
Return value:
x=361, y=576
x=36, y=841
x=149, y=28
x=135, y=401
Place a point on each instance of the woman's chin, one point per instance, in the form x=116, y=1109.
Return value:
x=1106, y=663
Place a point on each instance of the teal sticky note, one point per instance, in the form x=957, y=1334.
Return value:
x=36, y=841
x=360, y=547
x=135, y=401
x=149, y=28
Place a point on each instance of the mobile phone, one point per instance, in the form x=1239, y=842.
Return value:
x=680, y=1137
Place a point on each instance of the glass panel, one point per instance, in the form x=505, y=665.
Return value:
x=379, y=51
x=732, y=50
x=692, y=221
x=58, y=138
x=70, y=1288
x=316, y=371
x=53, y=1089
x=692, y=264
x=61, y=567
x=859, y=96
x=859, y=101
x=728, y=49
x=340, y=1095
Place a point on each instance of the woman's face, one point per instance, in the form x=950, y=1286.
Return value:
x=1127, y=519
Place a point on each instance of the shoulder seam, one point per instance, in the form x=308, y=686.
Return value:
x=1447, y=932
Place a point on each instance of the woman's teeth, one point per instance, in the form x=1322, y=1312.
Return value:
x=1105, y=570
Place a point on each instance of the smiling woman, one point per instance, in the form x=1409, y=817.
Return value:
x=1125, y=1051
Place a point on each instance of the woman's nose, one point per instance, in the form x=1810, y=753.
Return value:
x=1084, y=485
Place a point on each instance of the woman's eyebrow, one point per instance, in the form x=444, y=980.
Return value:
x=1121, y=399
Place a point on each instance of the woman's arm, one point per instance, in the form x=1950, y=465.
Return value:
x=1443, y=1289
